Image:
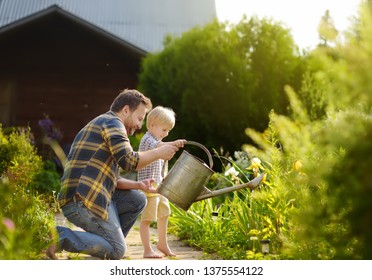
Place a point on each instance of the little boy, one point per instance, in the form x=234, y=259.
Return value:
x=160, y=121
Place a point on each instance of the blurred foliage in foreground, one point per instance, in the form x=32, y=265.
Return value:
x=316, y=202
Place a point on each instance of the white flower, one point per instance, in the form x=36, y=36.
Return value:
x=232, y=172
x=255, y=164
x=256, y=161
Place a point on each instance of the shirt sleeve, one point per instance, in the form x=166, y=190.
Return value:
x=117, y=141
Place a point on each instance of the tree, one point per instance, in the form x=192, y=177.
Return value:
x=222, y=78
x=326, y=29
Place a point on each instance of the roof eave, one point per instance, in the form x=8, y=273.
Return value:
x=76, y=19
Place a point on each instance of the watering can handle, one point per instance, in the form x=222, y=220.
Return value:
x=204, y=149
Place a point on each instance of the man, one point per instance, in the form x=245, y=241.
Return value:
x=93, y=196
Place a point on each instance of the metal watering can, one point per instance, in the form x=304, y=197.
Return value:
x=185, y=182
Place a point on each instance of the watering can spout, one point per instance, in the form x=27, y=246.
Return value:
x=251, y=185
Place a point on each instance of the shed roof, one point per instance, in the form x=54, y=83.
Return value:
x=140, y=23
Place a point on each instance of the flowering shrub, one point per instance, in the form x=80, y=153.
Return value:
x=48, y=129
x=48, y=179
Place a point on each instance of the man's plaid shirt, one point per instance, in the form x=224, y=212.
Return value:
x=155, y=169
x=94, y=161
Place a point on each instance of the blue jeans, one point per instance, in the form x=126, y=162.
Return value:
x=100, y=238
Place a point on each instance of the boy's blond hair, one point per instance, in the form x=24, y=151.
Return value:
x=161, y=115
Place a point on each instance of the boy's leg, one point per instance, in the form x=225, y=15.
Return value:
x=163, y=214
x=148, y=252
x=163, y=239
x=148, y=215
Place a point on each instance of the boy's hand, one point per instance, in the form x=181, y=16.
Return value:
x=148, y=185
x=179, y=143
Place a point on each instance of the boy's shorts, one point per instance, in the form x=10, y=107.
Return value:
x=157, y=207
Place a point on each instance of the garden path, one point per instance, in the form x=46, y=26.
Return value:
x=134, y=245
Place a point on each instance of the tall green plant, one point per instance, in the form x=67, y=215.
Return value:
x=338, y=220
x=293, y=191
x=24, y=217
x=324, y=223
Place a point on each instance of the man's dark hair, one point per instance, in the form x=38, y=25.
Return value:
x=131, y=97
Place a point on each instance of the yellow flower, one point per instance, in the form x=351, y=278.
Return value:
x=264, y=178
x=297, y=165
x=255, y=166
x=255, y=163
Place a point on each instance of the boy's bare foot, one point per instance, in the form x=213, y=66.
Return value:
x=152, y=255
x=166, y=251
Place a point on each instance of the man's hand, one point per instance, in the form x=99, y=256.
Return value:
x=164, y=150
x=167, y=151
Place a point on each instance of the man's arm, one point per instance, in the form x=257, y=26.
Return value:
x=144, y=185
x=178, y=143
x=165, y=152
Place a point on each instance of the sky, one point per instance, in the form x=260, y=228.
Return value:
x=300, y=16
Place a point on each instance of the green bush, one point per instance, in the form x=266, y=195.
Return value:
x=18, y=158
x=47, y=180
x=24, y=217
x=24, y=223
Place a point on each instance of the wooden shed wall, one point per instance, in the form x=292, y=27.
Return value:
x=57, y=67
